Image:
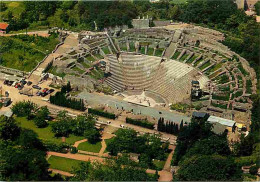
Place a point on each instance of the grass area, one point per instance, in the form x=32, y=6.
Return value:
x=63, y=164
x=86, y=65
x=107, y=141
x=205, y=65
x=159, y=52
x=53, y=70
x=176, y=55
x=13, y=6
x=132, y=47
x=123, y=46
x=159, y=164
x=23, y=52
x=99, y=56
x=90, y=58
x=78, y=70
x=215, y=74
x=243, y=71
x=86, y=146
x=180, y=107
x=222, y=79
x=142, y=50
x=97, y=74
x=46, y=133
x=249, y=86
x=222, y=106
x=224, y=97
x=184, y=57
x=150, y=51
x=106, y=50
x=192, y=58
x=198, y=62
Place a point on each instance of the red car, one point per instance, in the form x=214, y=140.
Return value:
x=17, y=85
x=45, y=90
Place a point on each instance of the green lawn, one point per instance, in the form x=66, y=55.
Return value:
x=90, y=58
x=106, y=50
x=63, y=164
x=192, y=59
x=176, y=55
x=184, y=57
x=80, y=71
x=159, y=164
x=107, y=141
x=86, y=146
x=159, y=52
x=23, y=52
x=46, y=133
x=150, y=51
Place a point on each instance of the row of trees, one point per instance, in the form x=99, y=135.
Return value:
x=142, y=123
x=101, y=113
x=61, y=99
x=168, y=126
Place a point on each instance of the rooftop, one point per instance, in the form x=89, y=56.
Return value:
x=3, y=25
x=226, y=122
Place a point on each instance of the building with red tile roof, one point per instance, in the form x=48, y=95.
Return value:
x=3, y=27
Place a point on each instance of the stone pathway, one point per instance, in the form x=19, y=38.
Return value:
x=64, y=173
x=77, y=156
x=76, y=144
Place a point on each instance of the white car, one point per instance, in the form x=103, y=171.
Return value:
x=108, y=122
x=122, y=126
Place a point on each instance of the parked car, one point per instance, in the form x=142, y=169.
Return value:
x=6, y=82
x=10, y=83
x=7, y=102
x=38, y=93
x=36, y=87
x=29, y=83
x=43, y=94
x=23, y=82
x=17, y=85
x=50, y=91
x=45, y=90
x=20, y=87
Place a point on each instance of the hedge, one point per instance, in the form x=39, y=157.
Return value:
x=139, y=122
x=102, y=113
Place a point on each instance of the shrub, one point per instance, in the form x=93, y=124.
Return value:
x=139, y=122
x=92, y=135
x=73, y=150
x=253, y=170
x=101, y=113
x=56, y=147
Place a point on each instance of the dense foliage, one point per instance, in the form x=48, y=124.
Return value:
x=22, y=154
x=61, y=99
x=23, y=52
x=66, y=125
x=139, y=122
x=24, y=109
x=209, y=168
x=101, y=113
x=148, y=146
x=122, y=169
x=168, y=127
x=41, y=116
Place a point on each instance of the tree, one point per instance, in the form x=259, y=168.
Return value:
x=8, y=128
x=209, y=168
x=62, y=127
x=196, y=130
x=93, y=135
x=257, y=8
x=253, y=170
x=41, y=116
x=24, y=108
x=83, y=123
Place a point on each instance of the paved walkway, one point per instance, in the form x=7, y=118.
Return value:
x=77, y=156
x=64, y=173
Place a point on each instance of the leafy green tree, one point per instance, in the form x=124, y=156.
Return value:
x=209, y=168
x=8, y=128
x=62, y=127
x=93, y=135
x=253, y=170
x=24, y=108
x=257, y=8
x=41, y=116
x=83, y=123
x=209, y=146
x=196, y=130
